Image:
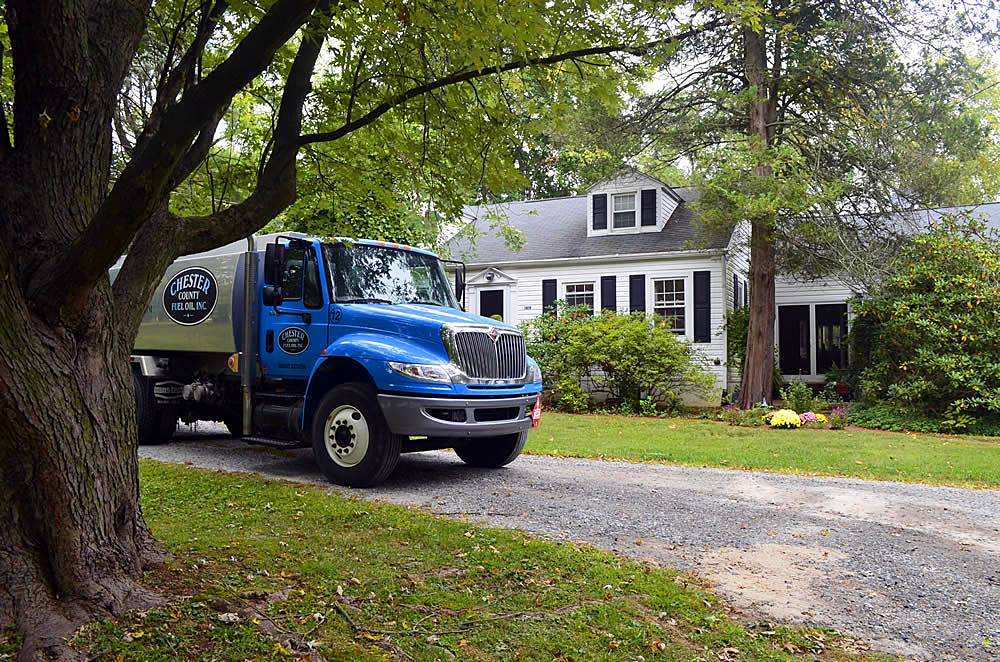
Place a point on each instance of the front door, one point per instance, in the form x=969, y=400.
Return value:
x=491, y=303
x=294, y=334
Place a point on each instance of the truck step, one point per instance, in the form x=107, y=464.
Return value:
x=274, y=443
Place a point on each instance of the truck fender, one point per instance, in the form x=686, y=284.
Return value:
x=352, y=358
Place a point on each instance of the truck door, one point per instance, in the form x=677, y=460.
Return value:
x=294, y=333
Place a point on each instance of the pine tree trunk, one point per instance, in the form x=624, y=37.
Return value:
x=758, y=368
x=72, y=538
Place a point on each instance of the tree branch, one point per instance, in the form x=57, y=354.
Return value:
x=172, y=81
x=142, y=187
x=275, y=191
x=471, y=74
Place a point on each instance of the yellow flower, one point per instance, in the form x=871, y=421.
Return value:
x=821, y=418
x=785, y=418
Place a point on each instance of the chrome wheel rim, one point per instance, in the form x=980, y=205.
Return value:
x=346, y=436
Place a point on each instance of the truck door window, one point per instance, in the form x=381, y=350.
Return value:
x=291, y=280
x=300, y=282
x=312, y=291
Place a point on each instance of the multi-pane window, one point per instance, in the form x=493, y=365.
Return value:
x=580, y=294
x=668, y=302
x=623, y=208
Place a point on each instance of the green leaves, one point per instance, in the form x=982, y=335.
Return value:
x=929, y=337
x=622, y=357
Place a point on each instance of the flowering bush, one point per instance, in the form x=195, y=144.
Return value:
x=813, y=420
x=838, y=418
x=928, y=337
x=784, y=419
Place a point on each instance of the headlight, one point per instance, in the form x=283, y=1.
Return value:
x=425, y=372
x=534, y=373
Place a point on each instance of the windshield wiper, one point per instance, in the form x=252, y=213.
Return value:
x=365, y=300
x=429, y=303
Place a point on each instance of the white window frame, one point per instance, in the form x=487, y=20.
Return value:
x=685, y=305
x=634, y=195
x=580, y=283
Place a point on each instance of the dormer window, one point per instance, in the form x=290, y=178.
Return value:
x=624, y=210
x=630, y=203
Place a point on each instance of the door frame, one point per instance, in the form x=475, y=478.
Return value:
x=504, y=292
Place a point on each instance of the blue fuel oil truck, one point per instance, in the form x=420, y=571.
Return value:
x=358, y=349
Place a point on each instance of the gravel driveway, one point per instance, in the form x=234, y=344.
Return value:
x=915, y=570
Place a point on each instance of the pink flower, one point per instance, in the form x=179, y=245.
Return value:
x=807, y=417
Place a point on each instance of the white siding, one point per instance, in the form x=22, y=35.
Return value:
x=526, y=292
x=737, y=264
x=789, y=291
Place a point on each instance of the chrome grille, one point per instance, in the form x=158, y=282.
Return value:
x=483, y=358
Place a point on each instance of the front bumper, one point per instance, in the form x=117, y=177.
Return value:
x=457, y=417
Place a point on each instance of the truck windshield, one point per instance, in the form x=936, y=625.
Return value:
x=373, y=274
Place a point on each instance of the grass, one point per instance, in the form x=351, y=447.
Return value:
x=937, y=459
x=260, y=568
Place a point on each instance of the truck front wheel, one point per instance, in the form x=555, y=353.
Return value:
x=492, y=452
x=351, y=440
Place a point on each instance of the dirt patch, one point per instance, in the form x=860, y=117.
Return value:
x=779, y=580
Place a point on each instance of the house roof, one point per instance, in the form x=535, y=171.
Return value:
x=556, y=228
x=920, y=219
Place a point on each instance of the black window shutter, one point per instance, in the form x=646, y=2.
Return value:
x=649, y=207
x=601, y=211
x=549, y=296
x=608, y=293
x=637, y=293
x=703, y=306
x=736, y=291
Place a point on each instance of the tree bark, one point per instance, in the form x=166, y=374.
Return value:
x=758, y=369
x=73, y=542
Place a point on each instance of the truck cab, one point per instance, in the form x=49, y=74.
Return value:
x=359, y=349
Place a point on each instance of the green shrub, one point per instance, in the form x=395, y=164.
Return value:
x=625, y=358
x=931, y=338
x=799, y=396
x=891, y=417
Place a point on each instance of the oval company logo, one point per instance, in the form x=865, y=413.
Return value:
x=293, y=340
x=190, y=296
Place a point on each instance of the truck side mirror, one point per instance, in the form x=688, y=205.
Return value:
x=274, y=263
x=271, y=296
x=460, y=285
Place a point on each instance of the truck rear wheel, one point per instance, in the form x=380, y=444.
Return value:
x=351, y=440
x=492, y=452
x=153, y=425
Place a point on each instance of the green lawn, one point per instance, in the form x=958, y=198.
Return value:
x=945, y=460
x=260, y=568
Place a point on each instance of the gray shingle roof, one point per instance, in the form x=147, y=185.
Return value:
x=557, y=228
x=988, y=212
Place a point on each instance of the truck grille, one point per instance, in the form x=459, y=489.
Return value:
x=484, y=358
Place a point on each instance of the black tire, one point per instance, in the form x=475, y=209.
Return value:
x=149, y=421
x=383, y=447
x=492, y=452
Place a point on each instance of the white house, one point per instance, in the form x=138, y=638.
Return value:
x=632, y=243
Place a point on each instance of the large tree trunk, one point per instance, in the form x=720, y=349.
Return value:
x=72, y=538
x=758, y=368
